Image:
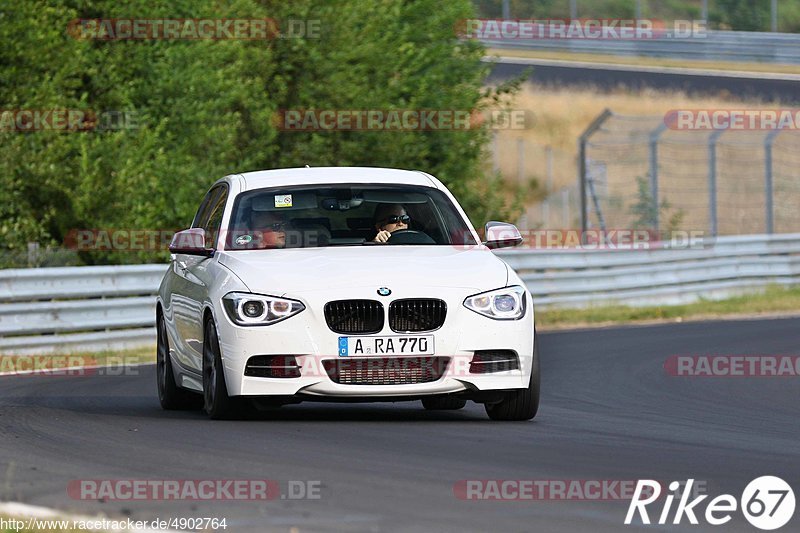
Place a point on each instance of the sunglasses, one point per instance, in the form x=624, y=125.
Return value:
x=275, y=226
x=394, y=219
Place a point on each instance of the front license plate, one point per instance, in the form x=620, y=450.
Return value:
x=399, y=345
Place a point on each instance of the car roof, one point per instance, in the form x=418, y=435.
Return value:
x=286, y=177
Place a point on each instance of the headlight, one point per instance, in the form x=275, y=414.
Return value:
x=246, y=309
x=501, y=304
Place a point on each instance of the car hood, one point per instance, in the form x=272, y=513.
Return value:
x=292, y=271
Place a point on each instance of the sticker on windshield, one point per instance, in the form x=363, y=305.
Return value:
x=243, y=239
x=283, y=200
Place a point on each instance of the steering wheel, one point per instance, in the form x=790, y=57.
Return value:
x=410, y=236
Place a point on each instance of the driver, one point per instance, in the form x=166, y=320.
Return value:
x=388, y=219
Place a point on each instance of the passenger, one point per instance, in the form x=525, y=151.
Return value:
x=269, y=230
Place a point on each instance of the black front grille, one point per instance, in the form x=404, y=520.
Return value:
x=386, y=370
x=354, y=316
x=419, y=314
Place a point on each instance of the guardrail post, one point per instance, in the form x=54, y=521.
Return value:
x=768, y=191
x=712, y=180
x=655, y=135
x=582, y=166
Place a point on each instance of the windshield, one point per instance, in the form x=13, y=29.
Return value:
x=311, y=217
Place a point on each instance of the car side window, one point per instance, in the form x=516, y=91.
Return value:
x=203, y=212
x=215, y=211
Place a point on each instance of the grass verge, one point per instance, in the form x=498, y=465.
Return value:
x=774, y=300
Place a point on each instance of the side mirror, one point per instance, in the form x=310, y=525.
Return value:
x=191, y=242
x=501, y=235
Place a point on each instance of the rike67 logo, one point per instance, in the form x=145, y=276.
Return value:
x=767, y=503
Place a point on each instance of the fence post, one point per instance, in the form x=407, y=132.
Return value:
x=712, y=179
x=548, y=186
x=495, y=157
x=582, y=166
x=655, y=135
x=768, y=190
x=33, y=254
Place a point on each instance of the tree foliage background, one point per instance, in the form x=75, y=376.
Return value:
x=204, y=108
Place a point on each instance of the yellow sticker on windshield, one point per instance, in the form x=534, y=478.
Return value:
x=283, y=200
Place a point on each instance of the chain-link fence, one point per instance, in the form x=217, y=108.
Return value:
x=638, y=173
x=547, y=178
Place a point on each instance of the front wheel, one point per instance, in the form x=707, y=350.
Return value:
x=216, y=402
x=519, y=404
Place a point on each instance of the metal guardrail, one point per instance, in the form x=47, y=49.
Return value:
x=732, y=265
x=65, y=309
x=715, y=46
x=50, y=310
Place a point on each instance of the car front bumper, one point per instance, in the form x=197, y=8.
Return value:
x=307, y=337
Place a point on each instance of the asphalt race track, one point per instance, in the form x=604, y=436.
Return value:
x=609, y=411
x=783, y=88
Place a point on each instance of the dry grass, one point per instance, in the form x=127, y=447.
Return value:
x=774, y=301
x=646, y=61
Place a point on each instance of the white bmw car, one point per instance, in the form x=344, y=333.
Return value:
x=342, y=284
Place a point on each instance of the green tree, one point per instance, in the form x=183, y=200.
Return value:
x=204, y=108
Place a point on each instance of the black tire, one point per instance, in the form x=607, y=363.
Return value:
x=521, y=404
x=170, y=395
x=443, y=404
x=216, y=402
